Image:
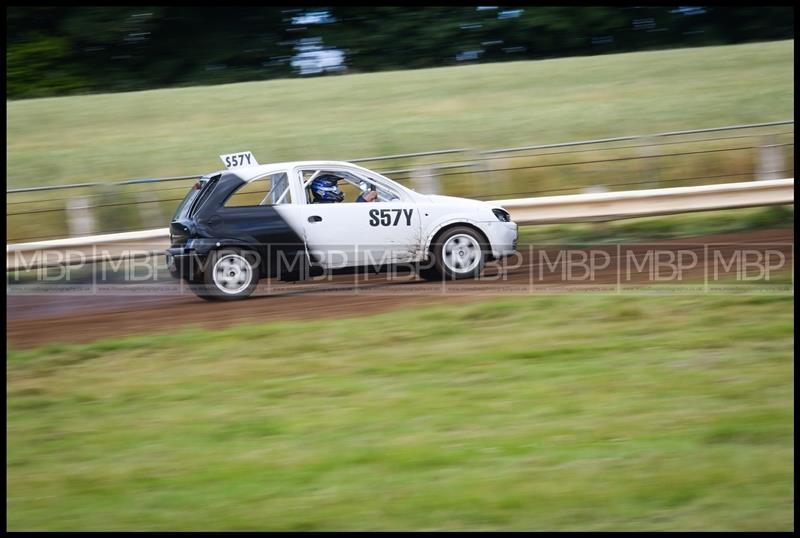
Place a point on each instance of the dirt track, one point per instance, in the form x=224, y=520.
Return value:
x=39, y=319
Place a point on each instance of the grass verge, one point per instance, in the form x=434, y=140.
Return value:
x=567, y=412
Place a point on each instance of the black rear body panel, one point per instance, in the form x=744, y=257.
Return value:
x=203, y=224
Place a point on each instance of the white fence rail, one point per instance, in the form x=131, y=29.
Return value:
x=760, y=152
x=544, y=210
x=651, y=202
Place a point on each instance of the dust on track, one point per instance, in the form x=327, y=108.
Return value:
x=35, y=320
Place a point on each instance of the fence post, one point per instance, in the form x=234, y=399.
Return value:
x=594, y=189
x=770, y=159
x=496, y=178
x=149, y=208
x=649, y=151
x=425, y=181
x=80, y=220
x=477, y=175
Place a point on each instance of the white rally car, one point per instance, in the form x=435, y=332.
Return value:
x=251, y=221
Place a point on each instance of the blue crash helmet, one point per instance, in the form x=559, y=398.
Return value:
x=324, y=189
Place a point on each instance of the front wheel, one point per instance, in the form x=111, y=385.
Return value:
x=458, y=253
x=230, y=274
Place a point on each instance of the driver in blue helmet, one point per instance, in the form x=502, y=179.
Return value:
x=325, y=189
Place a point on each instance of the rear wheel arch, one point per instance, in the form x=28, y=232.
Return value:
x=248, y=265
x=235, y=244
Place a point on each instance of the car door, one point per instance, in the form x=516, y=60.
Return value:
x=350, y=233
x=259, y=215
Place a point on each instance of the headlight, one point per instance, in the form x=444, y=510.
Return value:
x=502, y=215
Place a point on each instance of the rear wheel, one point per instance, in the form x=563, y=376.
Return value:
x=229, y=274
x=458, y=253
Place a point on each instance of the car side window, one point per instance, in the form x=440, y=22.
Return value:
x=267, y=190
x=384, y=194
x=352, y=186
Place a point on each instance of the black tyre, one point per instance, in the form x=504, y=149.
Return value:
x=459, y=252
x=229, y=274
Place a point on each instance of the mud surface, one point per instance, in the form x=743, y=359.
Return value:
x=83, y=315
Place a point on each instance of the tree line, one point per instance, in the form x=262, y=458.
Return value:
x=54, y=51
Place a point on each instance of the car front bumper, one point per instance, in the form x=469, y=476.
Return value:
x=503, y=237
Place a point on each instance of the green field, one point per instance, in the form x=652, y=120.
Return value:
x=570, y=412
x=182, y=131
